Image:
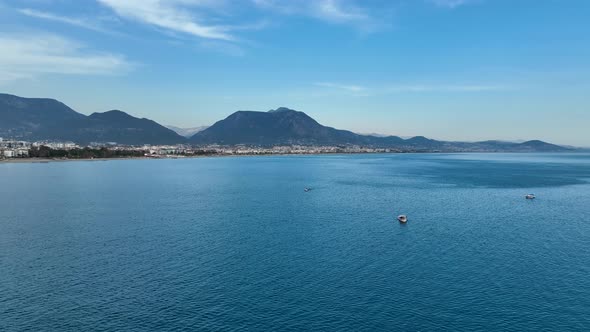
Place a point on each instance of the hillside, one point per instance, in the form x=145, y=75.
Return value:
x=280, y=126
x=285, y=126
x=49, y=119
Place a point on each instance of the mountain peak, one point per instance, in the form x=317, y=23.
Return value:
x=111, y=114
x=534, y=142
x=282, y=126
x=538, y=145
x=281, y=110
x=419, y=139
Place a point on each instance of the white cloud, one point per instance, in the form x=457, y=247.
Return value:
x=30, y=55
x=83, y=23
x=359, y=90
x=351, y=88
x=215, y=20
x=173, y=15
x=337, y=11
x=333, y=11
x=451, y=3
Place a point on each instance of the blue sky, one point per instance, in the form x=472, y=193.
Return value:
x=446, y=69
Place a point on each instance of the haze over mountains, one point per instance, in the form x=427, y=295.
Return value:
x=49, y=119
x=186, y=132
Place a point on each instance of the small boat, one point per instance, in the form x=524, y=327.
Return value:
x=530, y=196
x=307, y=189
x=402, y=218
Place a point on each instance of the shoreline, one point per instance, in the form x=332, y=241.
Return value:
x=45, y=160
x=59, y=160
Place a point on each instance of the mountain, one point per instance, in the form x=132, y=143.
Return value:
x=280, y=126
x=538, y=146
x=187, y=132
x=115, y=126
x=23, y=117
x=49, y=119
x=504, y=146
x=285, y=126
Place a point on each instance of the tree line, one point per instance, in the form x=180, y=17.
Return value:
x=84, y=153
x=89, y=153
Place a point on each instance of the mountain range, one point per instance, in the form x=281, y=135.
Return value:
x=284, y=126
x=48, y=119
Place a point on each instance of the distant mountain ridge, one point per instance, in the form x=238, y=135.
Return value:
x=187, y=132
x=49, y=119
x=284, y=126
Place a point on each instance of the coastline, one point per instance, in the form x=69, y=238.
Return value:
x=58, y=160
x=45, y=160
x=50, y=160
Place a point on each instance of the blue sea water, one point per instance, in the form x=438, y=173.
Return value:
x=235, y=244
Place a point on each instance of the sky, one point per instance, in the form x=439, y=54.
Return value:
x=463, y=70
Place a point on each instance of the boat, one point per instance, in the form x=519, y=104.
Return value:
x=402, y=218
x=307, y=189
x=530, y=196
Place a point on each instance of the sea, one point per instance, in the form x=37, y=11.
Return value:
x=237, y=244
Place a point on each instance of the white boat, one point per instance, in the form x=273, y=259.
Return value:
x=530, y=196
x=307, y=189
x=402, y=218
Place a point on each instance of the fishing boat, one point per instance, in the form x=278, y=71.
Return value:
x=530, y=196
x=402, y=218
x=307, y=189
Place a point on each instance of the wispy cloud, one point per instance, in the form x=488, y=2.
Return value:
x=32, y=54
x=219, y=24
x=173, y=15
x=451, y=3
x=336, y=11
x=83, y=23
x=446, y=88
x=333, y=11
x=351, y=88
x=358, y=90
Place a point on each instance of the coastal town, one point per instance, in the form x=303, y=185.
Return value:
x=58, y=150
